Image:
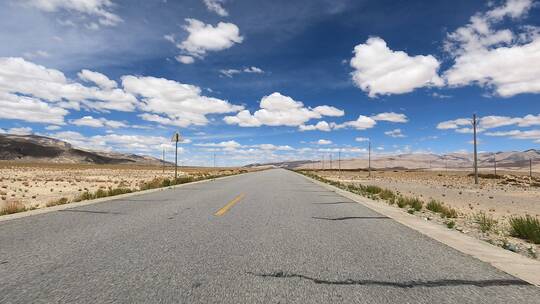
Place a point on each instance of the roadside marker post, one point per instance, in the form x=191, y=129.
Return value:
x=176, y=138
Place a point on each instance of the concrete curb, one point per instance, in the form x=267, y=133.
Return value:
x=512, y=263
x=44, y=210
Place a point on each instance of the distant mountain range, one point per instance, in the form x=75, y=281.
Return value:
x=44, y=149
x=505, y=160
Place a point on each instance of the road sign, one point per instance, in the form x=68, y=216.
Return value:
x=176, y=137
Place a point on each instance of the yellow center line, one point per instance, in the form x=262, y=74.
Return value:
x=229, y=205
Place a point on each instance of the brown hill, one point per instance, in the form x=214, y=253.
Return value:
x=40, y=149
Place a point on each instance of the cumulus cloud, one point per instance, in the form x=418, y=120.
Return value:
x=361, y=139
x=226, y=145
x=396, y=133
x=280, y=110
x=113, y=142
x=216, y=6
x=30, y=109
x=203, y=38
x=518, y=134
x=489, y=122
x=182, y=104
x=379, y=70
x=496, y=58
x=18, y=76
x=391, y=117
x=101, y=9
x=99, y=79
x=90, y=121
x=185, y=59
x=361, y=123
x=319, y=126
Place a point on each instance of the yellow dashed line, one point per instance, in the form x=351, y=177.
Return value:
x=229, y=205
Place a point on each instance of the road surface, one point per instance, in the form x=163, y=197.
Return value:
x=264, y=237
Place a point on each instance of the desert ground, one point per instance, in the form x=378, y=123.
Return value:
x=36, y=184
x=512, y=193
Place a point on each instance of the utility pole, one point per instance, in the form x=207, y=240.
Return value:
x=214, y=160
x=530, y=168
x=322, y=164
x=339, y=162
x=176, y=138
x=475, y=123
x=495, y=163
x=330, y=156
x=163, y=160
x=369, y=158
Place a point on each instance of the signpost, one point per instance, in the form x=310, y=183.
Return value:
x=176, y=138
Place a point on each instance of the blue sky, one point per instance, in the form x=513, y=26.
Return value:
x=258, y=81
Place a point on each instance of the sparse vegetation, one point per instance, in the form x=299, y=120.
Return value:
x=450, y=224
x=526, y=227
x=485, y=221
x=443, y=210
x=12, y=207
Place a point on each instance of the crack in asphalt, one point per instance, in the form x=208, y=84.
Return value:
x=406, y=284
x=351, y=218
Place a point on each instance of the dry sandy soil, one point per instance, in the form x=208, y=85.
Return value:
x=509, y=195
x=35, y=185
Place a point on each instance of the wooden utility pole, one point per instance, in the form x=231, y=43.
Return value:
x=530, y=168
x=163, y=159
x=475, y=123
x=495, y=163
x=369, y=158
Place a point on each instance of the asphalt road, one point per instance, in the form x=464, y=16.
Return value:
x=265, y=237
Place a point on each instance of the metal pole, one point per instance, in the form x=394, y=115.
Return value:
x=339, y=162
x=163, y=159
x=330, y=156
x=214, y=160
x=176, y=161
x=369, y=158
x=475, y=122
x=322, y=164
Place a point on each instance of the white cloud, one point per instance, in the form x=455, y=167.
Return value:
x=53, y=128
x=216, y=6
x=227, y=145
x=30, y=109
x=381, y=71
x=113, y=142
x=90, y=121
x=249, y=70
x=462, y=125
x=391, y=117
x=101, y=9
x=361, y=139
x=99, y=79
x=498, y=59
x=203, y=38
x=18, y=76
x=518, y=134
x=320, y=126
x=185, y=59
x=396, y=133
x=182, y=104
x=361, y=123
x=271, y=147
x=324, y=142
x=20, y=131
x=280, y=110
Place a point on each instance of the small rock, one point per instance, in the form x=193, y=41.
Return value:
x=511, y=247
